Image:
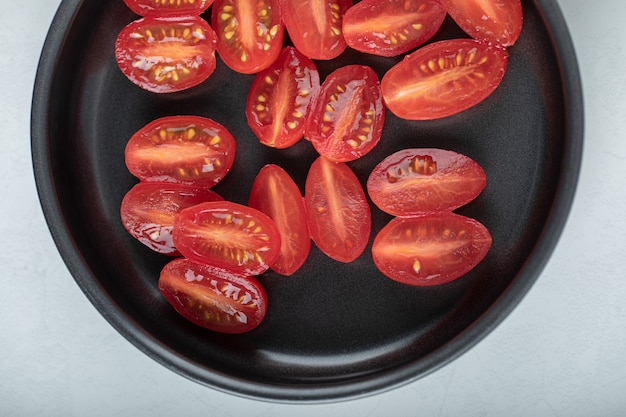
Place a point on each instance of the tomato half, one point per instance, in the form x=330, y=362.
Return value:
x=422, y=181
x=163, y=8
x=346, y=119
x=227, y=235
x=148, y=211
x=443, y=78
x=314, y=26
x=430, y=250
x=337, y=211
x=279, y=97
x=276, y=194
x=212, y=298
x=250, y=33
x=496, y=21
x=183, y=149
x=391, y=27
x=164, y=55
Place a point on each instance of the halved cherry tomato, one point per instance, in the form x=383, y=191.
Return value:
x=227, y=235
x=422, y=181
x=148, y=211
x=250, y=33
x=166, y=54
x=346, y=119
x=443, y=78
x=279, y=97
x=338, y=213
x=314, y=26
x=212, y=298
x=163, y=8
x=391, y=27
x=276, y=194
x=496, y=21
x=430, y=250
x=183, y=149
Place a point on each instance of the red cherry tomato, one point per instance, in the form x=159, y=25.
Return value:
x=148, y=211
x=250, y=33
x=184, y=149
x=314, y=26
x=496, y=21
x=277, y=195
x=423, y=181
x=338, y=213
x=279, y=97
x=443, y=78
x=430, y=250
x=212, y=298
x=391, y=27
x=227, y=235
x=166, y=54
x=346, y=119
x=168, y=8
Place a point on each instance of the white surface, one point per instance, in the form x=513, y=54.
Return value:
x=560, y=353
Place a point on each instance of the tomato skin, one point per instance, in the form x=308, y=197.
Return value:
x=227, y=235
x=417, y=88
x=430, y=250
x=148, y=211
x=215, y=299
x=346, y=119
x=183, y=149
x=250, y=33
x=166, y=54
x=422, y=181
x=276, y=194
x=391, y=27
x=162, y=9
x=338, y=213
x=279, y=98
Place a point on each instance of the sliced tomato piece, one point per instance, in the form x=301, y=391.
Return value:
x=443, y=78
x=279, y=97
x=496, y=21
x=430, y=250
x=337, y=210
x=423, y=181
x=227, y=235
x=250, y=33
x=184, y=149
x=391, y=27
x=166, y=8
x=346, y=119
x=212, y=298
x=314, y=26
x=164, y=55
x=148, y=211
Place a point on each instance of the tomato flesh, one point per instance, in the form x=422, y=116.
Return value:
x=168, y=8
x=212, y=298
x=391, y=27
x=443, y=78
x=430, y=250
x=183, y=149
x=346, y=119
x=165, y=55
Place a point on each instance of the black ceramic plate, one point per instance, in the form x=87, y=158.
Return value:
x=333, y=331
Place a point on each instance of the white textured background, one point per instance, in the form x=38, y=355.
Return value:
x=562, y=352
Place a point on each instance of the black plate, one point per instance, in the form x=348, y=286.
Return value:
x=333, y=331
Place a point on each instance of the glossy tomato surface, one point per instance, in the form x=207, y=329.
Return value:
x=148, y=211
x=423, y=181
x=278, y=100
x=346, y=119
x=166, y=54
x=250, y=33
x=164, y=8
x=227, y=235
x=443, y=78
x=391, y=27
x=430, y=250
x=183, y=149
x=216, y=299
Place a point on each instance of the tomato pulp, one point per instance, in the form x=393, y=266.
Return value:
x=168, y=8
